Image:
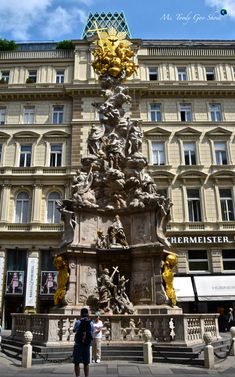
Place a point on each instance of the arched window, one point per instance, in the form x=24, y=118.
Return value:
x=53, y=215
x=22, y=208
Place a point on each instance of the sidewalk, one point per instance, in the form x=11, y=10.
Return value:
x=12, y=368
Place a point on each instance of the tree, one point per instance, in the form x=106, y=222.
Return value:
x=65, y=45
x=6, y=45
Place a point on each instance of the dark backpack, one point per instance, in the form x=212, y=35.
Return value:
x=83, y=334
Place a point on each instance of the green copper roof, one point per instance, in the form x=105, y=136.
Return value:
x=106, y=20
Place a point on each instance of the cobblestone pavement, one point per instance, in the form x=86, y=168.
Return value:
x=12, y=368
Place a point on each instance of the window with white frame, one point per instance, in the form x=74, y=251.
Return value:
x=194, y=205
x=226, y=204
x=182, y=74
x=210, y=73
x=190, y=153
x=22, y=208
x=2, y=115
x=53, y=214
x=158, y=150
x=29, y=115
x=153, y=73
x=215, y=112
x=58, y=114
x=198, y=260
x=32, y=76
x=228, y=259
x=60, y=76
x=155, y=112
x=221, y=154
x=25, y=155
x=56, y=155
x=5, y=76
x=185, y=112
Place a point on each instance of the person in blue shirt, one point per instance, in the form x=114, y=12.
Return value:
x=83, y=329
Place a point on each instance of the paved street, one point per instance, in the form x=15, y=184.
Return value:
x=12, y=368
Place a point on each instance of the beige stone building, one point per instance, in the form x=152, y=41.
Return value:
x=184, y=93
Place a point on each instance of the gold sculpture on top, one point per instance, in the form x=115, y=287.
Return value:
x=113, y=54
x=168, y=277
x=62, y=280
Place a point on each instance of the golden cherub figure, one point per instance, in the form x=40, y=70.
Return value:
x=113, y=54
x=62, y=280
x=168, y=277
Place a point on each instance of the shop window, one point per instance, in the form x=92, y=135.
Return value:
x=226, y=204
x=22, y=208
x=228, y=260
x=53, y=214
x=198, y=260
x=194, y=205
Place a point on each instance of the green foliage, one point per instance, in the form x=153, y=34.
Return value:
x=6, y=45
x=65, y=45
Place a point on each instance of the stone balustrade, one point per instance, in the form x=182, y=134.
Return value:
x=51, y=329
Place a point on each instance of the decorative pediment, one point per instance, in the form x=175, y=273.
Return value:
x=218, y=132
x=55, y=134
x=188, y=132
x=4, y=135
x=223, y=174
x=157, y=132
x=26, y=135
x=192, y=174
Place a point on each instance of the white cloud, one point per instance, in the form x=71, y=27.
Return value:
x=21, y=18
x=229, y=5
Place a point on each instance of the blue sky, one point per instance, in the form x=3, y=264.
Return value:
x=37, y=20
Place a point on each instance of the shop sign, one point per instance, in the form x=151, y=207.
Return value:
x=31, y=284
x=201, y=239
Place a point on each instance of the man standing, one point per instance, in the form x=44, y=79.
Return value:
x=97, y=338
x=83, y=329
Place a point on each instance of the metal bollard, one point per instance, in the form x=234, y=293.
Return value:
x=147, y=347
x=232, y=332
x=209, y=359
x=27, y=350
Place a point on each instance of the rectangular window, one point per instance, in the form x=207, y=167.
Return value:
x=190, y=153
x=153, y=74
x=194, y=205
x=5, y=75
x=182, y=75
x=0, y=153
x=155, y=112
x=198, y=260
x=228, y=260
x=210, y=73
x=25, y=155
x=163, y=192
x=60, y=77
x=29, y=115
x=56, y=155
x=2, y=115
x=185, y=112
x=221, y=156
x=32, y=76
x=58, y=114
x=215, y=112
x=226, y=203
x=158, y=153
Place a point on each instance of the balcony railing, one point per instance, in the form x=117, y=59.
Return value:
x=53, y=54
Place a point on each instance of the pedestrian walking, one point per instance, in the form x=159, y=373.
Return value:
x=97, y=338
x=230, y=318
x=83, y=329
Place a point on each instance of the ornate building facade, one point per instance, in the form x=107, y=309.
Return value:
x=184, y=92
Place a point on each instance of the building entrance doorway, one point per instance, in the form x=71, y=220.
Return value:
x=12, y=305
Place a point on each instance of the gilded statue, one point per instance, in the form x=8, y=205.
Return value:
x=62, y=280
x=113, y=54
x=168, y=277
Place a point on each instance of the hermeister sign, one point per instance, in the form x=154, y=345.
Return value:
x=201, y=239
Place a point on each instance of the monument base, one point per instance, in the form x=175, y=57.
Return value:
x=157, y=309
